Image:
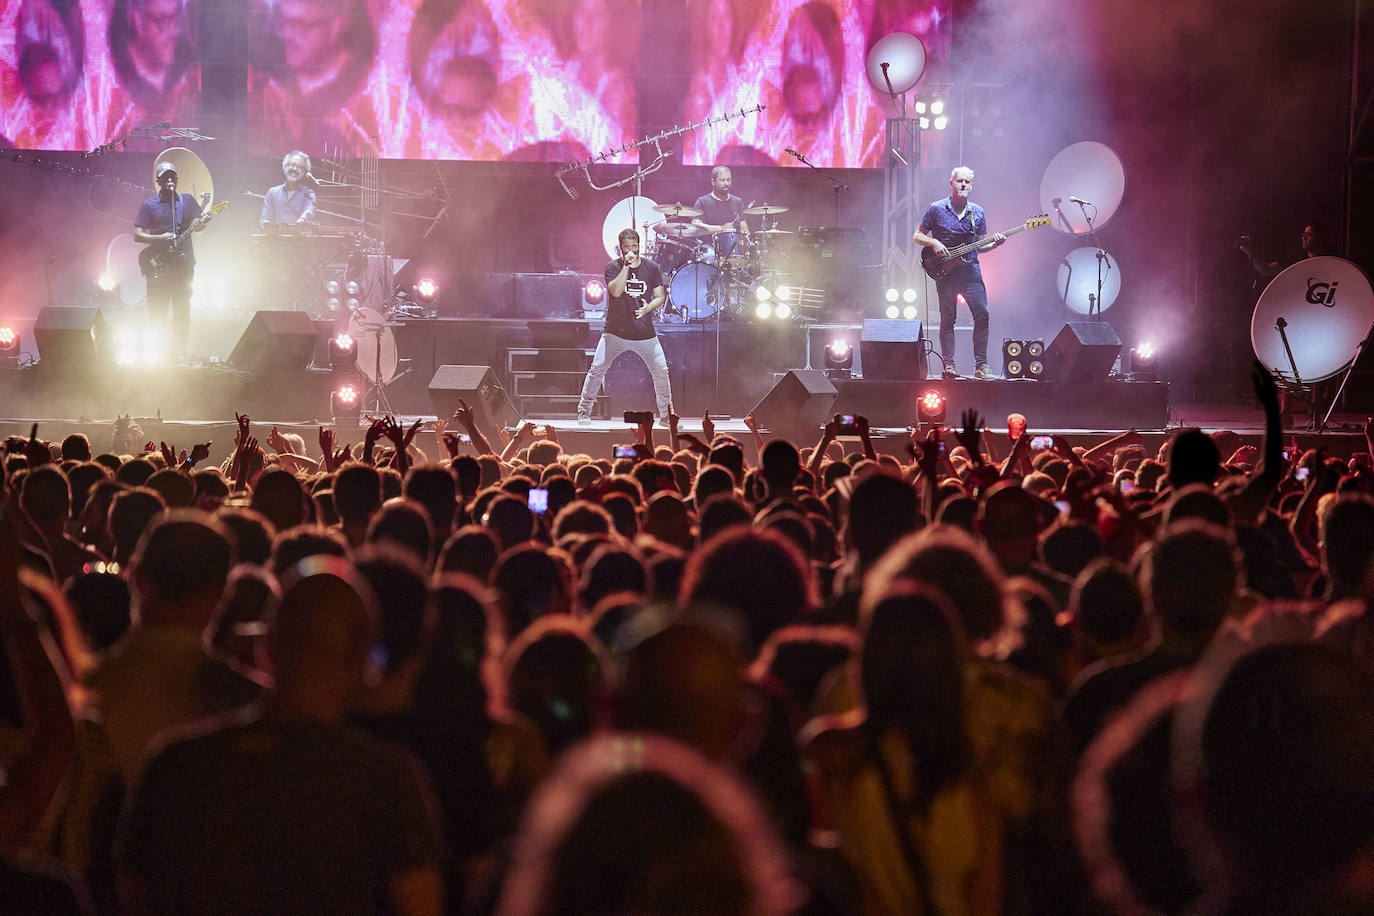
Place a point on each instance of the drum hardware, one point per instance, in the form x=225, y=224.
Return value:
x=677, y=210
x=372, y=332
x=764, y=210
x=1316, y=315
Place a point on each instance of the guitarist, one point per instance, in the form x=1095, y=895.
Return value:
x=947, y=224
x=159, y=220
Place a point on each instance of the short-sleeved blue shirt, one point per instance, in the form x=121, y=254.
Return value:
x=155, y=217
x=942, y=223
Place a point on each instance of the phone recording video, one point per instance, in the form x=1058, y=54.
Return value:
x=539, y=500
x=1042, y=442
x=623, y=451
x=1301, y=473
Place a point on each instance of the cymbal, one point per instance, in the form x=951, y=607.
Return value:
x=678, y=209
x=764, y=210
x=679, y=230
x=774, y=232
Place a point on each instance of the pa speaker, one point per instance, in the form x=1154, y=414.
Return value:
x=1083, y=351
x=479, y=388
x=275, y=341
x=799, y=403
x=70, y=338
x=890, y=350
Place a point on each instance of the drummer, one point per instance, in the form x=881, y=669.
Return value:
x=722, y=212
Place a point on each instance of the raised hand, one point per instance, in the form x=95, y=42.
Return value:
x=199, y=452
x=410, y=433
x=342, y=455
x=970, y=435
x=242, y=420
x=169, y=457
x=452, y=443
x=464, y=414
x=750, y=421
x=277, y=442
x=708, y=428
x=35, y=451
x=326, y=441
x=928, y=452
x=1266, y=389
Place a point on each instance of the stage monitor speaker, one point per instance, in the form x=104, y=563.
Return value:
x=799, y=403
x=479, y=388
x=1082, y=351
x=275, y=341
x=71, y=337
x=890, y=350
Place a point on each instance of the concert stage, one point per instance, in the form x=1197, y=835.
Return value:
x=724, y=369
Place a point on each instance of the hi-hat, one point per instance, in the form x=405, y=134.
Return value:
x=678, y=209
x=765, y=210
x=679, y=230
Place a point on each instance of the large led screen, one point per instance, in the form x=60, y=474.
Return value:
x=533, y=80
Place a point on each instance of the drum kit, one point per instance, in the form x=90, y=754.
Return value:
x=708, y=274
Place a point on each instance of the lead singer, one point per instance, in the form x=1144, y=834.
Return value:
x=634, y=287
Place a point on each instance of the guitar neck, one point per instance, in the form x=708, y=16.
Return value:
x=982, y=243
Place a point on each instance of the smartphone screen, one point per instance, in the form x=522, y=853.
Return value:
x=847, y=419
x=1127, y=486
x=622, y=451
x=1040, y=442
x=1301, y=473
x=1062, y=505
x=539, y=500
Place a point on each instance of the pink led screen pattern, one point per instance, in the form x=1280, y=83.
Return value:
x=533, y=80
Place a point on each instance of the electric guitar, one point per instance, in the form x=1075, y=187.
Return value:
x=938, y=266
x=158, y=258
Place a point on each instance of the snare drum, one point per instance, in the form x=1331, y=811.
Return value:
x=692, y=289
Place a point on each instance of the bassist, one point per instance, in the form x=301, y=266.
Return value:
x=160, y=219
x=947, y=224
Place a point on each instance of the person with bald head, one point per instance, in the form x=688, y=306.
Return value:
x=284, y=808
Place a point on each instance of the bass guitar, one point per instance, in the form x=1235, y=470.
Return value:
x=938, y=266
x=158, y=258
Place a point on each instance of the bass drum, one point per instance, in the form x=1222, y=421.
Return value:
x=372, y=339
x=692, y=290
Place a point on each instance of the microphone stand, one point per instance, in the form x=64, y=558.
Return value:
x=839, y=185
x=1095, y=302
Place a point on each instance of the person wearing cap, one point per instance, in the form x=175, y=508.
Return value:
x=159, y=220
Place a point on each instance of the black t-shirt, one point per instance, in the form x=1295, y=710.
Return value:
x=717, y=212
x=640, y=284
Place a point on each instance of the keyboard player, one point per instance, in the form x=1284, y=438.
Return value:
x=291, y=203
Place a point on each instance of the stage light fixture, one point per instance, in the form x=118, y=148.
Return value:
x=931, y=407
x=783, y=311
x=594, y=292
x=106, y=281
x=937, y=107
x=925, y=123
x=892, y=294
x=1145, y=362
x=427, y=289
x=345, y=403
x=353, y=304
x=910, y=313
x=353, y=288
x=333, y=287
x=909, y=295
x=762, y=293
x=783, y=292
x=343, y=352
x=763, y=310
x=839, y=358
x=919, y=107
x=940, y=123
x=892, y=312
x=9, y=347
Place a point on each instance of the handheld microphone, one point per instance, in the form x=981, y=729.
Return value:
x=792, y=152
x=1080, y=201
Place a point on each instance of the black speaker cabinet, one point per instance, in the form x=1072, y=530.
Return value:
x=275, y=341
x=70, y=338
x=890, y=350
x=798, y=404
x=1082, y=351
x=479, y=388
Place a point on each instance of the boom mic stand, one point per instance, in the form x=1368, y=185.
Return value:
x=1095, y=301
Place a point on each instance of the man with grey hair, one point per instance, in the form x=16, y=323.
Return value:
x=293, y=201
x=949, y=223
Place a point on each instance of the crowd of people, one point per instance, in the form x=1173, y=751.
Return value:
x=711, y=676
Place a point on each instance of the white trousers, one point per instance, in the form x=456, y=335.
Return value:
x=610, y=347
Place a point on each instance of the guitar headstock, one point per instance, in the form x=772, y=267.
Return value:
x=1039, y=221
x=218, y=207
